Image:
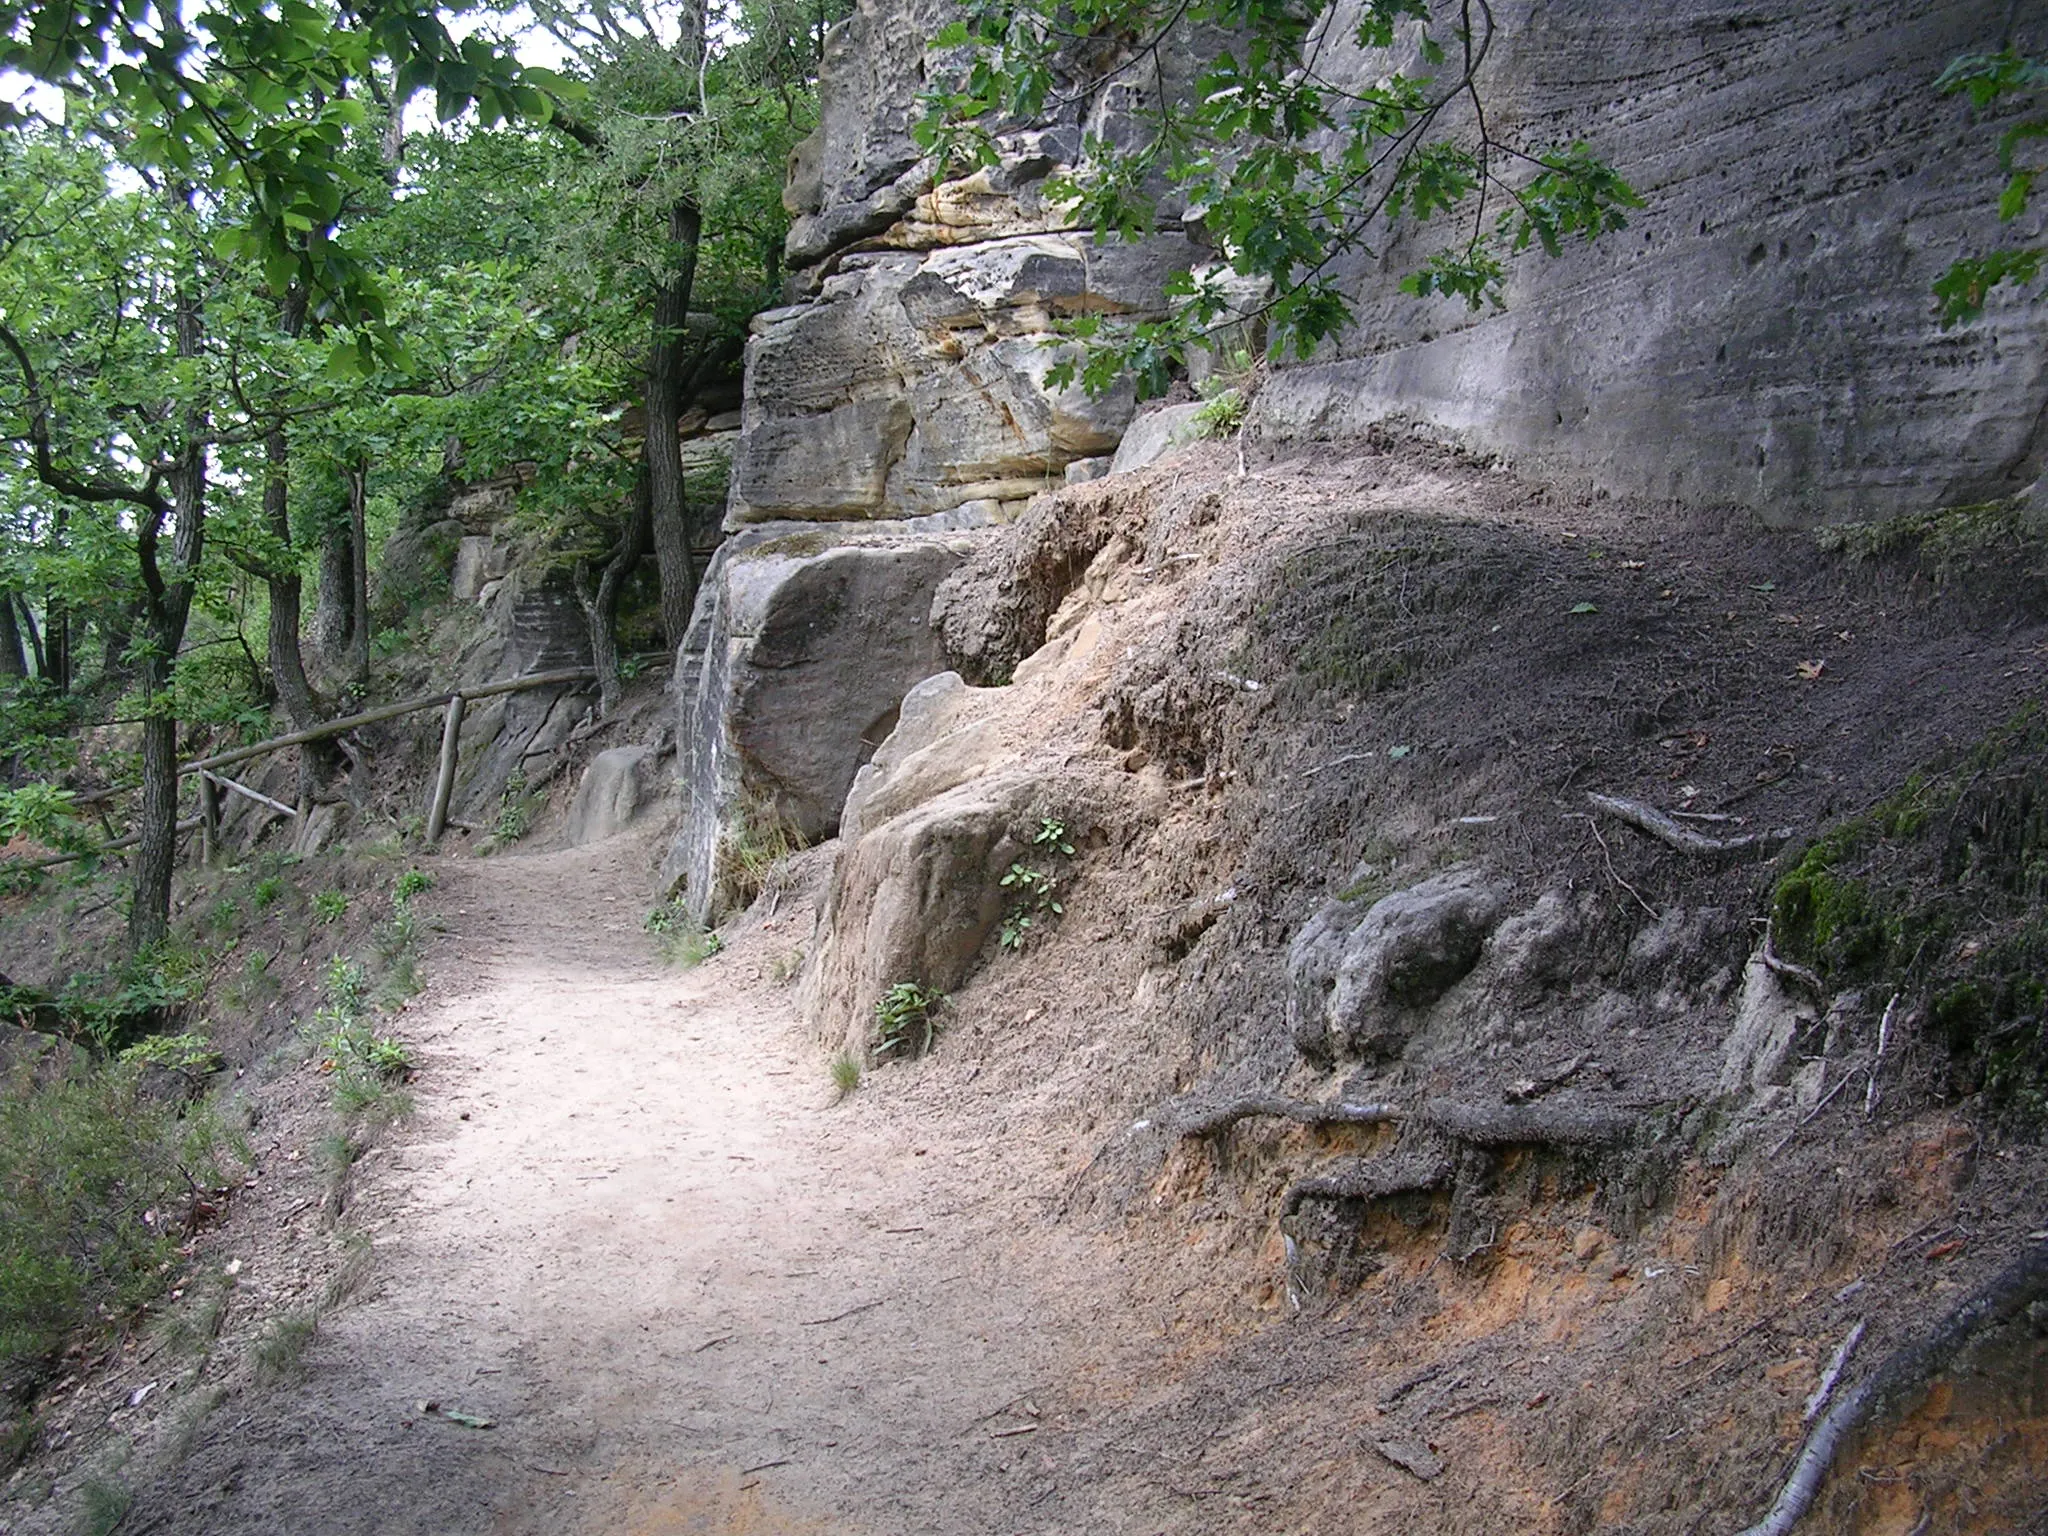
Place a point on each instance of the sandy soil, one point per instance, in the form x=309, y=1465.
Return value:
x=631, y=1227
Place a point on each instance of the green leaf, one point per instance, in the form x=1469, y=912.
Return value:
x=1585, y=608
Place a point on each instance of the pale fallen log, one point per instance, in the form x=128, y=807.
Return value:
x=249, y=794
x=1907, y=1369
x=1669, y=831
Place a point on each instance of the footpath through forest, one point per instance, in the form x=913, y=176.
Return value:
x=630, y=1227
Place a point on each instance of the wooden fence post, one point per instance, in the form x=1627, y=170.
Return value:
x=444, y=780
x=209, y=819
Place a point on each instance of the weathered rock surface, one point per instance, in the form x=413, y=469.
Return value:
x=1357, y=980
x=619, y=784
x=914, y=384
x=802, y=647
x=1764, y=333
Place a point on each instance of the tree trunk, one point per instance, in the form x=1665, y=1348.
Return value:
x=359, y=572
x=35, y=635
x=167, y=604
x=665, y=378
x=334, y=610
x=601, y=603
x=13, y=660
x=287, y=663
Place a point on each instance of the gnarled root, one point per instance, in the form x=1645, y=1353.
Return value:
x=1373, y=1179
x=1524, y=1125
x=1904, y=1371
x=1213, y=1119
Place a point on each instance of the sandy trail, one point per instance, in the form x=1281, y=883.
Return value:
x=630, y=1226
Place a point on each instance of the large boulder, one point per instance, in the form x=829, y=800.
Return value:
x=802, y=647
x=1358, y=979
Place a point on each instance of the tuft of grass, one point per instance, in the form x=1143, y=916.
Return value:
x=755, y=843
x=280, y=1353
x=267, y=893
x=682, y=940
x=846, y=1072
x=330, y=906
x=103, y=1503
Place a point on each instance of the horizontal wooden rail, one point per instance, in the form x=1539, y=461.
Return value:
x=389, y=712
x=205, y=765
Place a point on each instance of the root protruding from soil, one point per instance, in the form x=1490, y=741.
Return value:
x=1905, y=1370
x=1372, y=1179
x=1528, y=1125
x=1668, y=830
x=1214, y=1119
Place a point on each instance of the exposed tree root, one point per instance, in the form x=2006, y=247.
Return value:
x=1521, y=1125
x=1373, y=1179
x=1212, y=1119
x=1667, y=830
x=1904, y=1371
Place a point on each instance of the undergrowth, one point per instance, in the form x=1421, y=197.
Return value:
x=754, y=845
x=1941, y=893
x=100, y=1182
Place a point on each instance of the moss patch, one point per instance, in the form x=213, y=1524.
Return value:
x=1941, y=892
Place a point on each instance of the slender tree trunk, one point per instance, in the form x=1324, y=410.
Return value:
x=359, y=572
x=35, y=635
x=117, y=633
x=281, y=642
x=57, y=616
x=334, y=611
x=600, y=602
x=664, y=456
x=13, y=660
x=167, y=604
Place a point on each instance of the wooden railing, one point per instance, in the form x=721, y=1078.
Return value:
x=454, y=701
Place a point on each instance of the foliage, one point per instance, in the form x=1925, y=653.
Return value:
x=756, y=840
x=94, y=1176
x=906, y=1019
x=515, y=809
x=364, y=1064
x=330, y=906
x=846, y=1073
x=412, y=883
x=1987, y=80
x=41, y=813
x=1290, y=174
x=1034, y=890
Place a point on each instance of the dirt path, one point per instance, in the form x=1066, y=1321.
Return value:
x=629, y=1226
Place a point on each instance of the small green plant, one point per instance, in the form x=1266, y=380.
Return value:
x=905, y=1021
x=1034, y=891
x=410, y=884
x=224, y=914
x=756, y=842
x=515, y=809
x=681, y=938
x=346, y=985
x=267, y=892
x=191, y=1056
x=846, y=1073
x=330, y=906
x=103, y=1503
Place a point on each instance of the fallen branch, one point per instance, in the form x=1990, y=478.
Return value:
x=1666, y=829
x=113, y=845
x=1213, y=1119
x=1906, y=1370
x=1884, y=1038
x=1517, y=1125
x=1535, y=1087
x=1833, y=1374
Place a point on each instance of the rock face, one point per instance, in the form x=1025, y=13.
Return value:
x=803, y=644
x=616, y=787
x=1356, y=980
x=1763, y=333
x=915, y=383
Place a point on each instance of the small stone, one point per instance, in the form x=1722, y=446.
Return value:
x=1587, y=1245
